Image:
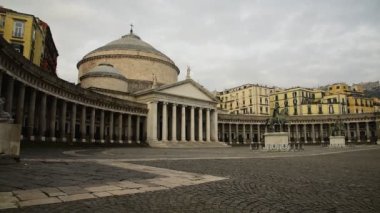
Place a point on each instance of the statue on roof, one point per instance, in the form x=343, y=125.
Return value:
x=154, y=80
x=188, y=72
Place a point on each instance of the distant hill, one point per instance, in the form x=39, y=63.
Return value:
x=374, y=92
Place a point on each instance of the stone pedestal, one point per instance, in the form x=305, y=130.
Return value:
x=337, y=141
x=10, y=140
x=276, y=141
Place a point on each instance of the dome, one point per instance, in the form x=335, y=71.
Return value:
x=133, y=58
x=105, y=77
x=103, y=70
x=129, y=42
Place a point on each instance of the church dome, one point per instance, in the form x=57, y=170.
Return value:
x=105, y=77
x=129, y=42
x=104, y=70
x=134, y=59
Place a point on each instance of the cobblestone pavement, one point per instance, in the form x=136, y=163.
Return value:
x=316, y=180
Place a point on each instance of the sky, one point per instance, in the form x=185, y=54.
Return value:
x=282, y=43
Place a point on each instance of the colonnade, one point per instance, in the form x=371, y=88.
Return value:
x=180, y=123
x=355, y=131
x=46, y=117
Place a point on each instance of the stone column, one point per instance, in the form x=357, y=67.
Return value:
x=237, y=132
x=92, y=125
x=289, y=126
x=230, y=133
x=214, y=125
x=151, y=122
x=297, y=134
x=120, y=128
x=321, y=132
x=130, y=128
x=305, y=132
x=111, y=127
x=53, y=112
x=313, y=132
x=250, y=133
x=42, y=118
x=20, y=104
x=164, y=121
x=208, y=127
x=83, y=124
x=73, y=122
x=192, y=132
x=183, y=123
x=137, y=129
x=174, y=122
x=223, y=132
x=31, y=114
x=258, y=133
x=367, y=132
x=101, y=130
x=1, y=81
x=244, y=135
x=9, y=97
x=62, y=121
x=358, y=132
x=200, y=124
x=348, y=132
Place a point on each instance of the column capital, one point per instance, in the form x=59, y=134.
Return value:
x=164, y=103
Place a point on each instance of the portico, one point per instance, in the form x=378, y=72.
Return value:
x=180, y=112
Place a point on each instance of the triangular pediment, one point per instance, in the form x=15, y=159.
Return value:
x=187, y=88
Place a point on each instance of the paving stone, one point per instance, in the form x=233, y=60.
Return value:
x=102, y=188
x=102, y=194
x=344, y=182
x=127, y=184
x=30, y=194
x=72, y=190
x=76, y=197
x=5, y=205
x=53, y=192
x=125, y=191
x=39, y=201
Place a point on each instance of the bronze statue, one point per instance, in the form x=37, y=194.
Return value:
x=337, y=129
x=278, y=118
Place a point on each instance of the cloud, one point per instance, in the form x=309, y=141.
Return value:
x=228, y=43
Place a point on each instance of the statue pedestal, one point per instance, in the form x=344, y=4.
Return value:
x=337, y=141
x=10, y=140
x=276, y=141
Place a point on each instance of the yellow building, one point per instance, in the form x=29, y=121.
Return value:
x=250, y=99
x=305, y=101
x=356, y=101
x=27, y=36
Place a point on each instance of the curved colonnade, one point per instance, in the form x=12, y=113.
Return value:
x=51, y=109
x=359, y=128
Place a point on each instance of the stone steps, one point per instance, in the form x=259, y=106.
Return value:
x=189, y=144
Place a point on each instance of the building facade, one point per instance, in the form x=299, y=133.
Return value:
x=29, y=36
x=251, y=99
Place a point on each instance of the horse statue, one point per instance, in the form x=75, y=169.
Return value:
x=337, y=129
x=278, y=118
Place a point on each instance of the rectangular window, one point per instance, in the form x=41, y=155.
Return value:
x=18, y=29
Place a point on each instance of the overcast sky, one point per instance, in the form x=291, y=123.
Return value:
x=227, y=43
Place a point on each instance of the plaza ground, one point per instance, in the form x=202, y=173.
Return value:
x=75, y=179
